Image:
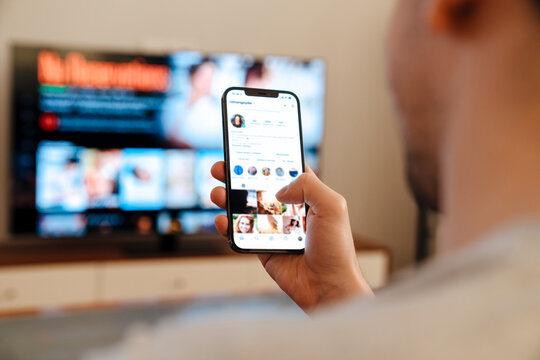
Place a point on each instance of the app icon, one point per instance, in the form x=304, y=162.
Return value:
x=238, y=170
x=293, y=172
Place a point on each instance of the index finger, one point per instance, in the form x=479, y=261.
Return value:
x=309, y=189
x=218, y=171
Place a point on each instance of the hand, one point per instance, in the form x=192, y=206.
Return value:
x=328, y=271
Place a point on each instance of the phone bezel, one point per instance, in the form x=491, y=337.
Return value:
x=225, y=118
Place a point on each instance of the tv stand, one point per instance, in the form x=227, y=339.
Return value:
x=85, y=276
x=170, y=243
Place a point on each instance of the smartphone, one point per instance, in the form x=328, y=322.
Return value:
x=262, y=136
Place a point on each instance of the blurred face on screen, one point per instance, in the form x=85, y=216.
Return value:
x=257, y=76
x=201, y=79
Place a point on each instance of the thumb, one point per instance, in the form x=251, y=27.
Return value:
x=309, y=189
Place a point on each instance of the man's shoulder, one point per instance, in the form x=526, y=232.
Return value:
x=475, y=304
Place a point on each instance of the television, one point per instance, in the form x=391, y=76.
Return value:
x=122, y=144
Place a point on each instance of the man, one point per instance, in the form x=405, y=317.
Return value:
x=466, y=79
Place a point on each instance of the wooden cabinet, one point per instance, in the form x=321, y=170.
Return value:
x=173, y=278
x=35, y=287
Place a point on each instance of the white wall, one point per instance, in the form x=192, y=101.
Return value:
x=362, y=152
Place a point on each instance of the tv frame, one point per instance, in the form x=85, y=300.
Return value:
x=119, y=238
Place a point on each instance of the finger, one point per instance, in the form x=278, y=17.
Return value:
x=222, y=224
x=309, y=189
x=264, y=258
x=309, y=170
x=218, y=171
x=218, y=195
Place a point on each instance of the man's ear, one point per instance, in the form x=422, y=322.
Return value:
x=451, y=16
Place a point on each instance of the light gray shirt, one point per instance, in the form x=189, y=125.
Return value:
x=481, y=303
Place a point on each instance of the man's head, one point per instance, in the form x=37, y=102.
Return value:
x=433, y=46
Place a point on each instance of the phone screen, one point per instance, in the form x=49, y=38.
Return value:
x=263, y=145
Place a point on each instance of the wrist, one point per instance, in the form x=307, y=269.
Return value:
x=354, y=286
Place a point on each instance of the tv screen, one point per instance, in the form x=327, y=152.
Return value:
x=108, y=143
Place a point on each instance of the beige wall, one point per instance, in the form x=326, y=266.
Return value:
x=362, y=157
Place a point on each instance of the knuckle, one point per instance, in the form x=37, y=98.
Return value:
x=341, y=203
x=304, y=179
x=298, y=183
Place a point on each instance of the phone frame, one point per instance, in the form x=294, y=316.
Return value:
x=260, y=93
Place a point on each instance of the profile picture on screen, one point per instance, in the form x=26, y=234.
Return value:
x=238, y=170
x=238, y=121
x=293, y=172
x=244, y=224
x=252, y=171
x=292, y=225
